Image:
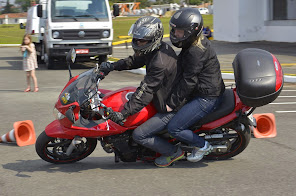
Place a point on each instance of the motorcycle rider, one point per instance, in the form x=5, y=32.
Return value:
x=161, y=68
x=198, y=82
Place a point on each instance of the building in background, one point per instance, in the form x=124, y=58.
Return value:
x=253, y=20
x=13, y=18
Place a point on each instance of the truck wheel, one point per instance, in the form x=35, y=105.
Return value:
x=102, y=58
x=49, y=62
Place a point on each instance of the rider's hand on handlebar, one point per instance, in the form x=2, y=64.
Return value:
x=117, y=117
x=100, y=75
x=106, y=67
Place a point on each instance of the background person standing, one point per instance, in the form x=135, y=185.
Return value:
x=29, y=62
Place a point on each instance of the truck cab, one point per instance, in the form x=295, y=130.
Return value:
x=85, y=25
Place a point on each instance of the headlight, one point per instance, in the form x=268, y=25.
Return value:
x=105, y=34
x=57, y=114
x=56, y=34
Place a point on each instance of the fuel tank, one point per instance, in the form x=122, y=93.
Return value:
x=117, y=99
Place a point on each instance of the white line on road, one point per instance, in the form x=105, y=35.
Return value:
x=288, y=90
x=285, y=111
x=284, y=103
x=121, y=47
x=286, y=96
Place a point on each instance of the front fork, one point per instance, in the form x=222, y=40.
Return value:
x=77, y=140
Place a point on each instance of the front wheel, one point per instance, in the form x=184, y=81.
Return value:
x=53, y=150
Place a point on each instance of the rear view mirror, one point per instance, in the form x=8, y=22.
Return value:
x=71, y=56
x=39, y=11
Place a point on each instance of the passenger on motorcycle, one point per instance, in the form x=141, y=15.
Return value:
x=198, y=83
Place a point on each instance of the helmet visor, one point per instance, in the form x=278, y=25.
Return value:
x=179, y=33
x=130, y=32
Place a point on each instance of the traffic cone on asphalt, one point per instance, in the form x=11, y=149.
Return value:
x=23, y=133
x=266, y=126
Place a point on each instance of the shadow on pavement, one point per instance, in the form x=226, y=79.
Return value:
x=106, y=163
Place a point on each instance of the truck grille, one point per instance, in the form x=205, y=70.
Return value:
x=82, y=34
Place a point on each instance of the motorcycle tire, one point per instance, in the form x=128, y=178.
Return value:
x=53, y=150
x=237, y=145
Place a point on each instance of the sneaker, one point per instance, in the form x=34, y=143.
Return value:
x=197, y=154
x=165, y=161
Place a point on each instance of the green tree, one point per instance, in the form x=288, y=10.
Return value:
x=25, y=4
x=195, y=2
x=9, y=9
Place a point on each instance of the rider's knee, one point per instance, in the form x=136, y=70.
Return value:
x=173, y=131
x=137, y=135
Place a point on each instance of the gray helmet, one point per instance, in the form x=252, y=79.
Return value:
x=190, y=20
x=147, y=28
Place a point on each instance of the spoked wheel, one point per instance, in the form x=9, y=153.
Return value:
x=233, y=143
x=54, y=150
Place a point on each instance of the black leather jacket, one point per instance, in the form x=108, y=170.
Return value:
x=198, y=74
x=161, y=69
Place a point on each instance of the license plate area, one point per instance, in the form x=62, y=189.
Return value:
x=82, y=51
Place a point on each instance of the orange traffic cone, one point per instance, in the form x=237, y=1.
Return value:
x=266, y=126
x=23, y=133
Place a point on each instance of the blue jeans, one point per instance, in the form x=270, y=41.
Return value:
x=190, y=114
x=146, y=134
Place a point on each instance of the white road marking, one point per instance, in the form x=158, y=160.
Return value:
x=286, y=96
x=285, y=111
x=284, y=103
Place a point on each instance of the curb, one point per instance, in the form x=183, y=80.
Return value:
x=9, y=45
x=225, y=76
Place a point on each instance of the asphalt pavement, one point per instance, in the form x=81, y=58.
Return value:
x=266, y=167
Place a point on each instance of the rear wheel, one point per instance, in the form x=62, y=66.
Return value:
x=237, y=141
x=53, y=150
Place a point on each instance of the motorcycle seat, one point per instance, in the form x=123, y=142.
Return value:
x=226, y=107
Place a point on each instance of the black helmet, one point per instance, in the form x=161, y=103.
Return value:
x=189, y=20
x=147, y=28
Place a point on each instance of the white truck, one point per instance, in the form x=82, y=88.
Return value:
x=85, y=25
x=32, y=25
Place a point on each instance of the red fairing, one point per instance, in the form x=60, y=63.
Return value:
x=116, y=101
x=105, y=91
x=57, y=130
x=279, y=73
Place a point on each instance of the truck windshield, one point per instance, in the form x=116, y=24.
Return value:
x=74, y=10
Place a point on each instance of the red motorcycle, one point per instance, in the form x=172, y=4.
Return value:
x=82, y=115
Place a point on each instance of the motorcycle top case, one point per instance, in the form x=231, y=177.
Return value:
x=258, y=76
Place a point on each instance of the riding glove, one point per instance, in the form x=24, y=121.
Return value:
x=106, y=67
x=117, y=117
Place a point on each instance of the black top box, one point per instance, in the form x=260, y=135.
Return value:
x=258, y=76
